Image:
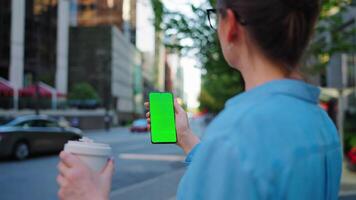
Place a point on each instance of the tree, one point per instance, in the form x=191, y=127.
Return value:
x=83, y=91
x=158, y=10
x=219, y=81
x=330, y=37
x=197, y=39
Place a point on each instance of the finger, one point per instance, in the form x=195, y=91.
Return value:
x=61, y=194
x=108, y=170
x=178, y=109
x=147, y=105
x=63, y=169
x=69, y=159
x=148, y=114
x=62, y=182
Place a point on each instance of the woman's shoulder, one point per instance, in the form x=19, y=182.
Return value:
x=285, y=122
x=262, y=112
x=282, y=113
x=280, y=116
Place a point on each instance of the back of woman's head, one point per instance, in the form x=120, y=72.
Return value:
x=280, y=28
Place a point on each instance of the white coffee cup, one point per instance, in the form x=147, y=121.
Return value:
x=94, y=155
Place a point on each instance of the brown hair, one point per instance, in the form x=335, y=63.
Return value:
x=281, y=28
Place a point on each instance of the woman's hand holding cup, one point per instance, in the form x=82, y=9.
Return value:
x=77, y=181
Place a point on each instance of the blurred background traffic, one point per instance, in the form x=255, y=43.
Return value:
x=73, y=68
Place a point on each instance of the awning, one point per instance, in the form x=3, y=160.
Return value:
x=44, y=90
x=5, y=88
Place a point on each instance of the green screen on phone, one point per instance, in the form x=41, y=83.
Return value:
x=163, y=129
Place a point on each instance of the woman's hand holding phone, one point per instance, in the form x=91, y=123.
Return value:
x=186, y=139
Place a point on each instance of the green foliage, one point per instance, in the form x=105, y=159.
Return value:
x=219, y=82
x=352, y=141
x=83, y=91
x=349, y=141
x=197, y=39
x=331, y=36
x=158, y=10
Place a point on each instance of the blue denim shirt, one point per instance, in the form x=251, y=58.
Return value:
x=271, y=142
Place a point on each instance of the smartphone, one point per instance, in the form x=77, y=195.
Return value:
x=163, y=127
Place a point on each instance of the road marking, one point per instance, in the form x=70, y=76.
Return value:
x=152, y=157
x=133, y=147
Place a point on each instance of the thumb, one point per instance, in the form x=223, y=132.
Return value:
x=108, y=170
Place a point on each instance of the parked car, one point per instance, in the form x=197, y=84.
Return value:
x=139, y=125
x=33, y=134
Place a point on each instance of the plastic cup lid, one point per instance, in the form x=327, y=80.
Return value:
x=87, y=146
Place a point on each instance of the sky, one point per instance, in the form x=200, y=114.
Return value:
x=145, y=38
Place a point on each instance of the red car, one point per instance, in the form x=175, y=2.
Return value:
x=352, y=159
x=139, y=125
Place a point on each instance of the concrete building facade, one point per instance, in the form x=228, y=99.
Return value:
x=103, y=57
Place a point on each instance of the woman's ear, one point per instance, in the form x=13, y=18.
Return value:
x=232, y=26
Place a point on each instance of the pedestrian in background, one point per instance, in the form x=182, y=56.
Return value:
x=271, y=142
x=107, y=122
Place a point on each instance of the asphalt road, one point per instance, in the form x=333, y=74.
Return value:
x=144, y=171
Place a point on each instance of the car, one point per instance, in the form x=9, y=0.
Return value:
x=139, y=125
x=35, y=134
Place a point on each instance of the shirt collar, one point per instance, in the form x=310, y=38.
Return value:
x=294, y=88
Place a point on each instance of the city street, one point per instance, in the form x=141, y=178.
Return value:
x=81, y=66
x=144, y=171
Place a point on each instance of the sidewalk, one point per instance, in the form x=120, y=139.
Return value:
x=348, y=182
x=163, y=187
x=103, y=131
x=115, y=135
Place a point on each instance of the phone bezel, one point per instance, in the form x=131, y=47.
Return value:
x=174, y=117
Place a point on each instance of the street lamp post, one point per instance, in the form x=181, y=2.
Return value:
x=37, y=93
x=105, y=85
x=38, y=62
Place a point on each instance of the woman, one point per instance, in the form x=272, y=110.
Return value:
x=272, y=141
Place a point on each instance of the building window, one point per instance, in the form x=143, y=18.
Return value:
x=5, y=32
x=40, y=40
